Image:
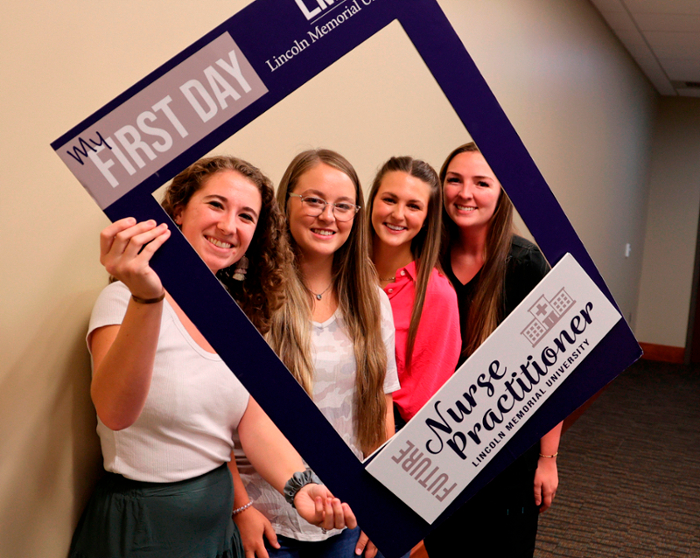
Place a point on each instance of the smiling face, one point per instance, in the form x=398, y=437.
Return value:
x=219, y=219
x=471, y=190
x=399, y=209
x=323, y=235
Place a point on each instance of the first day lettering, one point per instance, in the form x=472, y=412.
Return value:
x=217, y=89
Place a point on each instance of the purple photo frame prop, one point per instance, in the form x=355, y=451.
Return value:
x=390, y=524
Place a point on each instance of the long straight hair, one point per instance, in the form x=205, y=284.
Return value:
x=425, y=246
x=487, y=307
x=355, y=286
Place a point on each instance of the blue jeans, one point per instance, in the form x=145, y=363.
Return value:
x=341, y=545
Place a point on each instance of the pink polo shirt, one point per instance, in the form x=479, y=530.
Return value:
x=438, y=341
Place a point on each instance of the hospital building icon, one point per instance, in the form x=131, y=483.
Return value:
x=546, y=314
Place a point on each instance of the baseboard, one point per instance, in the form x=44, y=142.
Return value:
x=663, y=353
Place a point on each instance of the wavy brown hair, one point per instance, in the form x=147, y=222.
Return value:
x=263, y=290
x=425, y=246
x=355, y=286
x=487, y=307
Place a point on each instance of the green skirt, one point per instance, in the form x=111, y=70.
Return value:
x=186, y=519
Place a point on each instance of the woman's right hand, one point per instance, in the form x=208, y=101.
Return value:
x=123, y=354
x=126, y=249
x=318, y=506
x=254, y=528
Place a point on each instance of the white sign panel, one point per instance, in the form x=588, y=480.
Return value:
x=440, y=451
x=172, y=114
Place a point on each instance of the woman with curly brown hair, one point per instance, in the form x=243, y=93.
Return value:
x=261, y=268
x=167, y=405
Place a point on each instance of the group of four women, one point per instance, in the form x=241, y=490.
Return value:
x=369, y=343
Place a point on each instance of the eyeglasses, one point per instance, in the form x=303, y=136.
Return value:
x=343, y=211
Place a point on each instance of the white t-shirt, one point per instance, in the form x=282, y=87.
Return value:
x=333, y=393
x=193, y=406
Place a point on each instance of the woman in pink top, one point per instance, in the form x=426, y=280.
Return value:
x=405, y=205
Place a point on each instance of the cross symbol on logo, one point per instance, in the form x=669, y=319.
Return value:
x=542, y=309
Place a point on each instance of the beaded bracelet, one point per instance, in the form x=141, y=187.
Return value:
x=242, y=508
x=550, y=456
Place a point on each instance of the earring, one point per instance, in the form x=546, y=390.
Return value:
x=241, y=269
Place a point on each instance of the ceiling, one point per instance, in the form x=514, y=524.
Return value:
x=663, y=36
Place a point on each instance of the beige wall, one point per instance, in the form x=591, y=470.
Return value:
x=365, y=106
x=672, y=225
x=584, y=112
x=575, y=97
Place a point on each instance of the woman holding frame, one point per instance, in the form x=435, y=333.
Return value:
x=167, y=405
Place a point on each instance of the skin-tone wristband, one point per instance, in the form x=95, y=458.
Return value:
x=550, y=456
x=148, y=300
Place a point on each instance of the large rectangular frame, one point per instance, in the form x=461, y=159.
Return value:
x=389, y=522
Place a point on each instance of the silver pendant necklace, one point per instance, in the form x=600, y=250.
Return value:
x=319, y=296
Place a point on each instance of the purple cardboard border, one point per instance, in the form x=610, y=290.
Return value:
x=389, y=522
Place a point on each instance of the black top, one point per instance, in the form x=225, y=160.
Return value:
x=526, y=267
x=501, y=520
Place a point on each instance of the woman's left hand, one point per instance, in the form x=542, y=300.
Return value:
x=316, y=504
x=546, y=482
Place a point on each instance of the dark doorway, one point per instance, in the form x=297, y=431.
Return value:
x=692, y=343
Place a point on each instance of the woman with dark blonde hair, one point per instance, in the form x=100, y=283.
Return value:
x=405, y=207
x=335, y=332
x=492, y=271
x=167, y=405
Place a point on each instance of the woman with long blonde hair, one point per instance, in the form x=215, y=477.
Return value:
x=335, y=333
x=492, y=270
